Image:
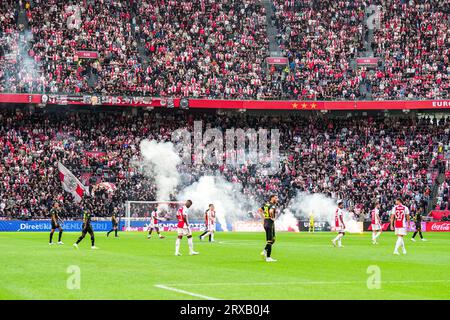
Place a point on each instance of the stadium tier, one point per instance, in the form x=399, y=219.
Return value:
x=357, y=158
x=329, y=50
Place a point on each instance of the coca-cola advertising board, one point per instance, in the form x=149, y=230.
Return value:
x=438, y=226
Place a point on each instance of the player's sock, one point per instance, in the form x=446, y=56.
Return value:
x=107, y=234
x=378, y=234
x=177, y=246
x=93, y=241
x=203, y=234
x=420, y=235
x=79, y=240
x=51, y=237
x=208, y=233
x=398, y=244
x=211, y=237
x=115, y=232
x=60, y=236
x=268, y=249
x=373, y=237
x=414, y=235
x=191, y=245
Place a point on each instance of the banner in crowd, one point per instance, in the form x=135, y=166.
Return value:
x=277, y=60
x=45, y=225
x=367, y=61
x=145, y=101
x=107, y=186
x=87, y=54
x=95, y=154
x=439, y=214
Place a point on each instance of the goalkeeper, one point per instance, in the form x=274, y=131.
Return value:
x=311, y=227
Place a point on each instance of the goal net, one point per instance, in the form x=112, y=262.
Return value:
x=138, y=213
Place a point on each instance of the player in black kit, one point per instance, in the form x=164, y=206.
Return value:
x=269, y=211
x=87, y=228
x=115, y=225
x=54, y=212
x=418, y=223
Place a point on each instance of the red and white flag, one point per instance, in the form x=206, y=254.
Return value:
x=71, y=184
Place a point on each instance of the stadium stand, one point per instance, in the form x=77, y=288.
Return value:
x=357, y=159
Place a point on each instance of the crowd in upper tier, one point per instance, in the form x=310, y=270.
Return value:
x=360, y=160
x=218, y=49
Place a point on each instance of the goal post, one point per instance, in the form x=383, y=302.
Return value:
x=141, y=211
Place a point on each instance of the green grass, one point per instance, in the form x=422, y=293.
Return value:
x=308, y=267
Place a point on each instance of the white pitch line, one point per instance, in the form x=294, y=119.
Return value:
x=185, y=292
x=305, y=283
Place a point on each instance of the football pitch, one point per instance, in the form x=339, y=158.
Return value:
x=308, y=267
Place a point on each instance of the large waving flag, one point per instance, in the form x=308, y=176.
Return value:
x=71, y=184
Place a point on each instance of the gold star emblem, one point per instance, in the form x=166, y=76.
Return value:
x=294, y=105
x=313, y=105
x=304, y=105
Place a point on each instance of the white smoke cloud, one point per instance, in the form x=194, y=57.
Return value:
x=229, y=201
x=287, y=221
x=160, y=162
x=322, y=207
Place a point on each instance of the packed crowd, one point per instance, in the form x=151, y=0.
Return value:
x=413, y=43
x=163, y=48
x=218, y=49
x=320, y=38
x=359, y=160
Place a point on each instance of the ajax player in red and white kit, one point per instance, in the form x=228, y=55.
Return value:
x=184, y=229
x=376, y=223
x=339, y=224
x=400, y=219
x=154, y=217
x=210, y=222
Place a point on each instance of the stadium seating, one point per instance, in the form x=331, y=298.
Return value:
x=356, y=159
x=218, y=49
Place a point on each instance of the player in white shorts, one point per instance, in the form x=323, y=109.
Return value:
x=339, y=224
x=154, y=224
x=400, y=219
x=184, y=229
x=210, y=221
x=376, y=223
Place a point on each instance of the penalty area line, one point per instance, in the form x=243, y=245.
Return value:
x=184, y=292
